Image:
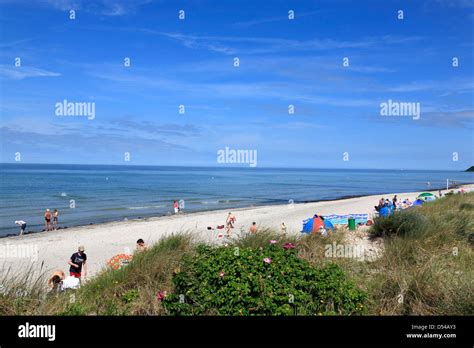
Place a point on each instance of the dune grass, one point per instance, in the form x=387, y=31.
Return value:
x=425, y=269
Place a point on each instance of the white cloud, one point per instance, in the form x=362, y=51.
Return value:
x=20, y=73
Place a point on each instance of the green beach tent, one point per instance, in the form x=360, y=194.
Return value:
x=426, y=196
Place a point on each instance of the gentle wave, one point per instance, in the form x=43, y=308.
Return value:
x=146, y=207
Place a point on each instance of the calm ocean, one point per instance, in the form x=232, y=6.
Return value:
x=108, y=193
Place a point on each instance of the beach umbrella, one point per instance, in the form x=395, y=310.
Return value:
x=119, y=261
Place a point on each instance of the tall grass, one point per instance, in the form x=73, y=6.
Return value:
x=108, y=293
x=427, y=265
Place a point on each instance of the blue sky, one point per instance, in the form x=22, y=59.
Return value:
x=190, y=62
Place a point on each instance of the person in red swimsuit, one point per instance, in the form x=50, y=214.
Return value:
x=47, y=220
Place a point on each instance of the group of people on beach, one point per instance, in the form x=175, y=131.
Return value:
x=394, y=204
x=48, y=216
x=51, y=221
x=78, y=269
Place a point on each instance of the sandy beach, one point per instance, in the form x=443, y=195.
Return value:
x=51, y=250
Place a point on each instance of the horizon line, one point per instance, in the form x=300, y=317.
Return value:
x=227, y=167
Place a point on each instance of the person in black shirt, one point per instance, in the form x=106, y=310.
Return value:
x=77, y=261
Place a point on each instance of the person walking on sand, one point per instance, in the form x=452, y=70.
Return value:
x=47, y=220
x=176, y=207
x=55, y=219
x=253, y=228
x=22, y=226
x=230, y=223
x=283, y=228
x=77, y=261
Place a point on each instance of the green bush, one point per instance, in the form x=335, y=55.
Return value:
x=130, y=296
x=237, y=281
x=404, y=223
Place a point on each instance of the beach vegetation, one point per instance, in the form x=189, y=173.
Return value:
x=267, y=280
x=425, y=269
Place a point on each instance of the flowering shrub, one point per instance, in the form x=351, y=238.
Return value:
x=260, y=281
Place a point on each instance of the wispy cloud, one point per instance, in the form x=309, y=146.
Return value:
x=260, y=45
x=283, y=17
x=456, y=3
x=419, y=86
x=98, y=7
x=460, y=118
x=20, y=73
x=15, y=43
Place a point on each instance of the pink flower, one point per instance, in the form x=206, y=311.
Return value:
x=221, y=274
x=288, y=245
x=267, y=260
x=273, y=241
x=220, y=235
x=161, y=295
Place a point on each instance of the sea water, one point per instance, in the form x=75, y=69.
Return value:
x=86, y=194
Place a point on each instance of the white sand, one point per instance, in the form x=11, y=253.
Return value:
x=103, y=241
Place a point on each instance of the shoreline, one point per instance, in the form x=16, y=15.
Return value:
x=48, y=251
x=170, y=214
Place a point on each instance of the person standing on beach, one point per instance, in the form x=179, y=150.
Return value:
x=253, y=228
x=22, y=226
x=230, y=223
x=77, y=261
x=55, y=219
x=283, y=228
x=381, y=204
x=394, y=201
x=176, y=207
x=47, y=220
